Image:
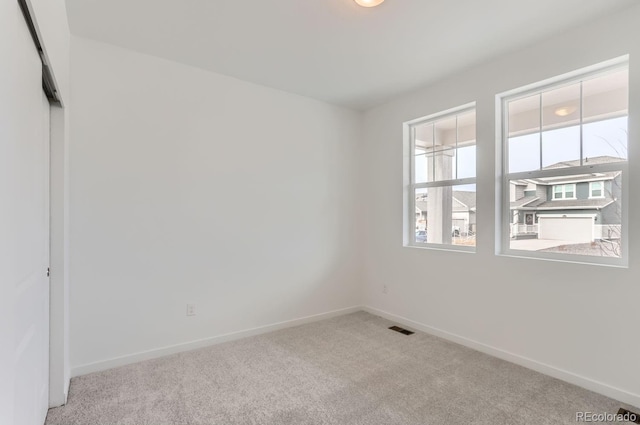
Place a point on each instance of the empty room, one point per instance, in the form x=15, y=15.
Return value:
x=372, y=212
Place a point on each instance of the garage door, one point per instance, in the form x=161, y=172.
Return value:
x=566, y=228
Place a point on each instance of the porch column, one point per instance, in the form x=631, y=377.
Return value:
x=440, y=200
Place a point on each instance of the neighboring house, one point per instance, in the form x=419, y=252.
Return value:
x=463, y=213
x=577, y=208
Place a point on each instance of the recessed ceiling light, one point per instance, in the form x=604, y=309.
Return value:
x=565, y=110
x=368, y=3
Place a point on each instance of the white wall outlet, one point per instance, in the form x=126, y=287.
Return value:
x=385, y=290
x=191, y=309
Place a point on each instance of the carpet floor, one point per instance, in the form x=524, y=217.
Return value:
x=346, y=370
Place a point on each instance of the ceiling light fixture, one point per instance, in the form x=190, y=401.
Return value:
x=369, y=3
x=565, y=110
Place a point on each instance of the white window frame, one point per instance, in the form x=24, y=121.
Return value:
x=409, y=239
x=601, y=196
x=502, y=99
x=563, y=191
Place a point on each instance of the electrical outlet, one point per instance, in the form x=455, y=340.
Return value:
x=191, y=309
x=385, y=290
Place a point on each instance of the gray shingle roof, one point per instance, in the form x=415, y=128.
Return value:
x=573, y=204
x=467, y=198
x=464, y=197
x=523, y=201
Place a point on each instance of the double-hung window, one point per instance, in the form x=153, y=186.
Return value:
x=564, y=191
x=564, y=150
x=441, y=204
x=596, y=189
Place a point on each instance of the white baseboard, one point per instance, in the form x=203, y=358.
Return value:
x=564, y=375
x=205, y=342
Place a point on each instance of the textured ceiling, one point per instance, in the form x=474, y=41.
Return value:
x=331, y=50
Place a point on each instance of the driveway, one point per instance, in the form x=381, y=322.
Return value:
x=537, y=244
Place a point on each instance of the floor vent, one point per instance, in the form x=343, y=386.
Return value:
x=401, y=330
x=633, y=417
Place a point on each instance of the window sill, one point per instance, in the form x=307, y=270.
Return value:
x=448, y=248
x=619, y=263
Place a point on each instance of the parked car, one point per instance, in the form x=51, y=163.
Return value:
x=421, y=236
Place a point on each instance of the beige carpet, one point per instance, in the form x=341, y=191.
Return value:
x=346, y=370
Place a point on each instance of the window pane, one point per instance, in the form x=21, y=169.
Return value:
x=569, y=191
x=561, y=127
x=423, y=155
x=444, y=150
x=421, y=216
x=466, y=162
x=446, y=215
x=561, y=148
x=557, y=192
x=423, y=165
x=524, y=134
x=605, y=109
x=581, y=226
x=524, y=116
x=444, y=162
x=466, y=154
x=605, y=140
x=524, y=153
x=463, y=215
x=561, y=107
x=596, y=189
x=606, y=96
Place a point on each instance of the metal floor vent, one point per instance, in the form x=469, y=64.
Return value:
x=401, y=330
x=632, y=416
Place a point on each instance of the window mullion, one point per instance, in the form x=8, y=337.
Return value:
x=581, y=119
x=540, y=136
x=445, y=183
x=433, y=152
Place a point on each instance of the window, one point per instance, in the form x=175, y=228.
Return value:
x=564, y=162
x=596, y=190
x=442, y=180
x=564, y=191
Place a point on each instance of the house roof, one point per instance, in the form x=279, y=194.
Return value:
x=535, y=203
x=466, y=198
x=551, y=181
x=587, y=161
x=523, y=201
x=466, y=201
x=569, y=204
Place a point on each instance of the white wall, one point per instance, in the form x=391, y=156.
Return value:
x=575, y=321
x=191, y=187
